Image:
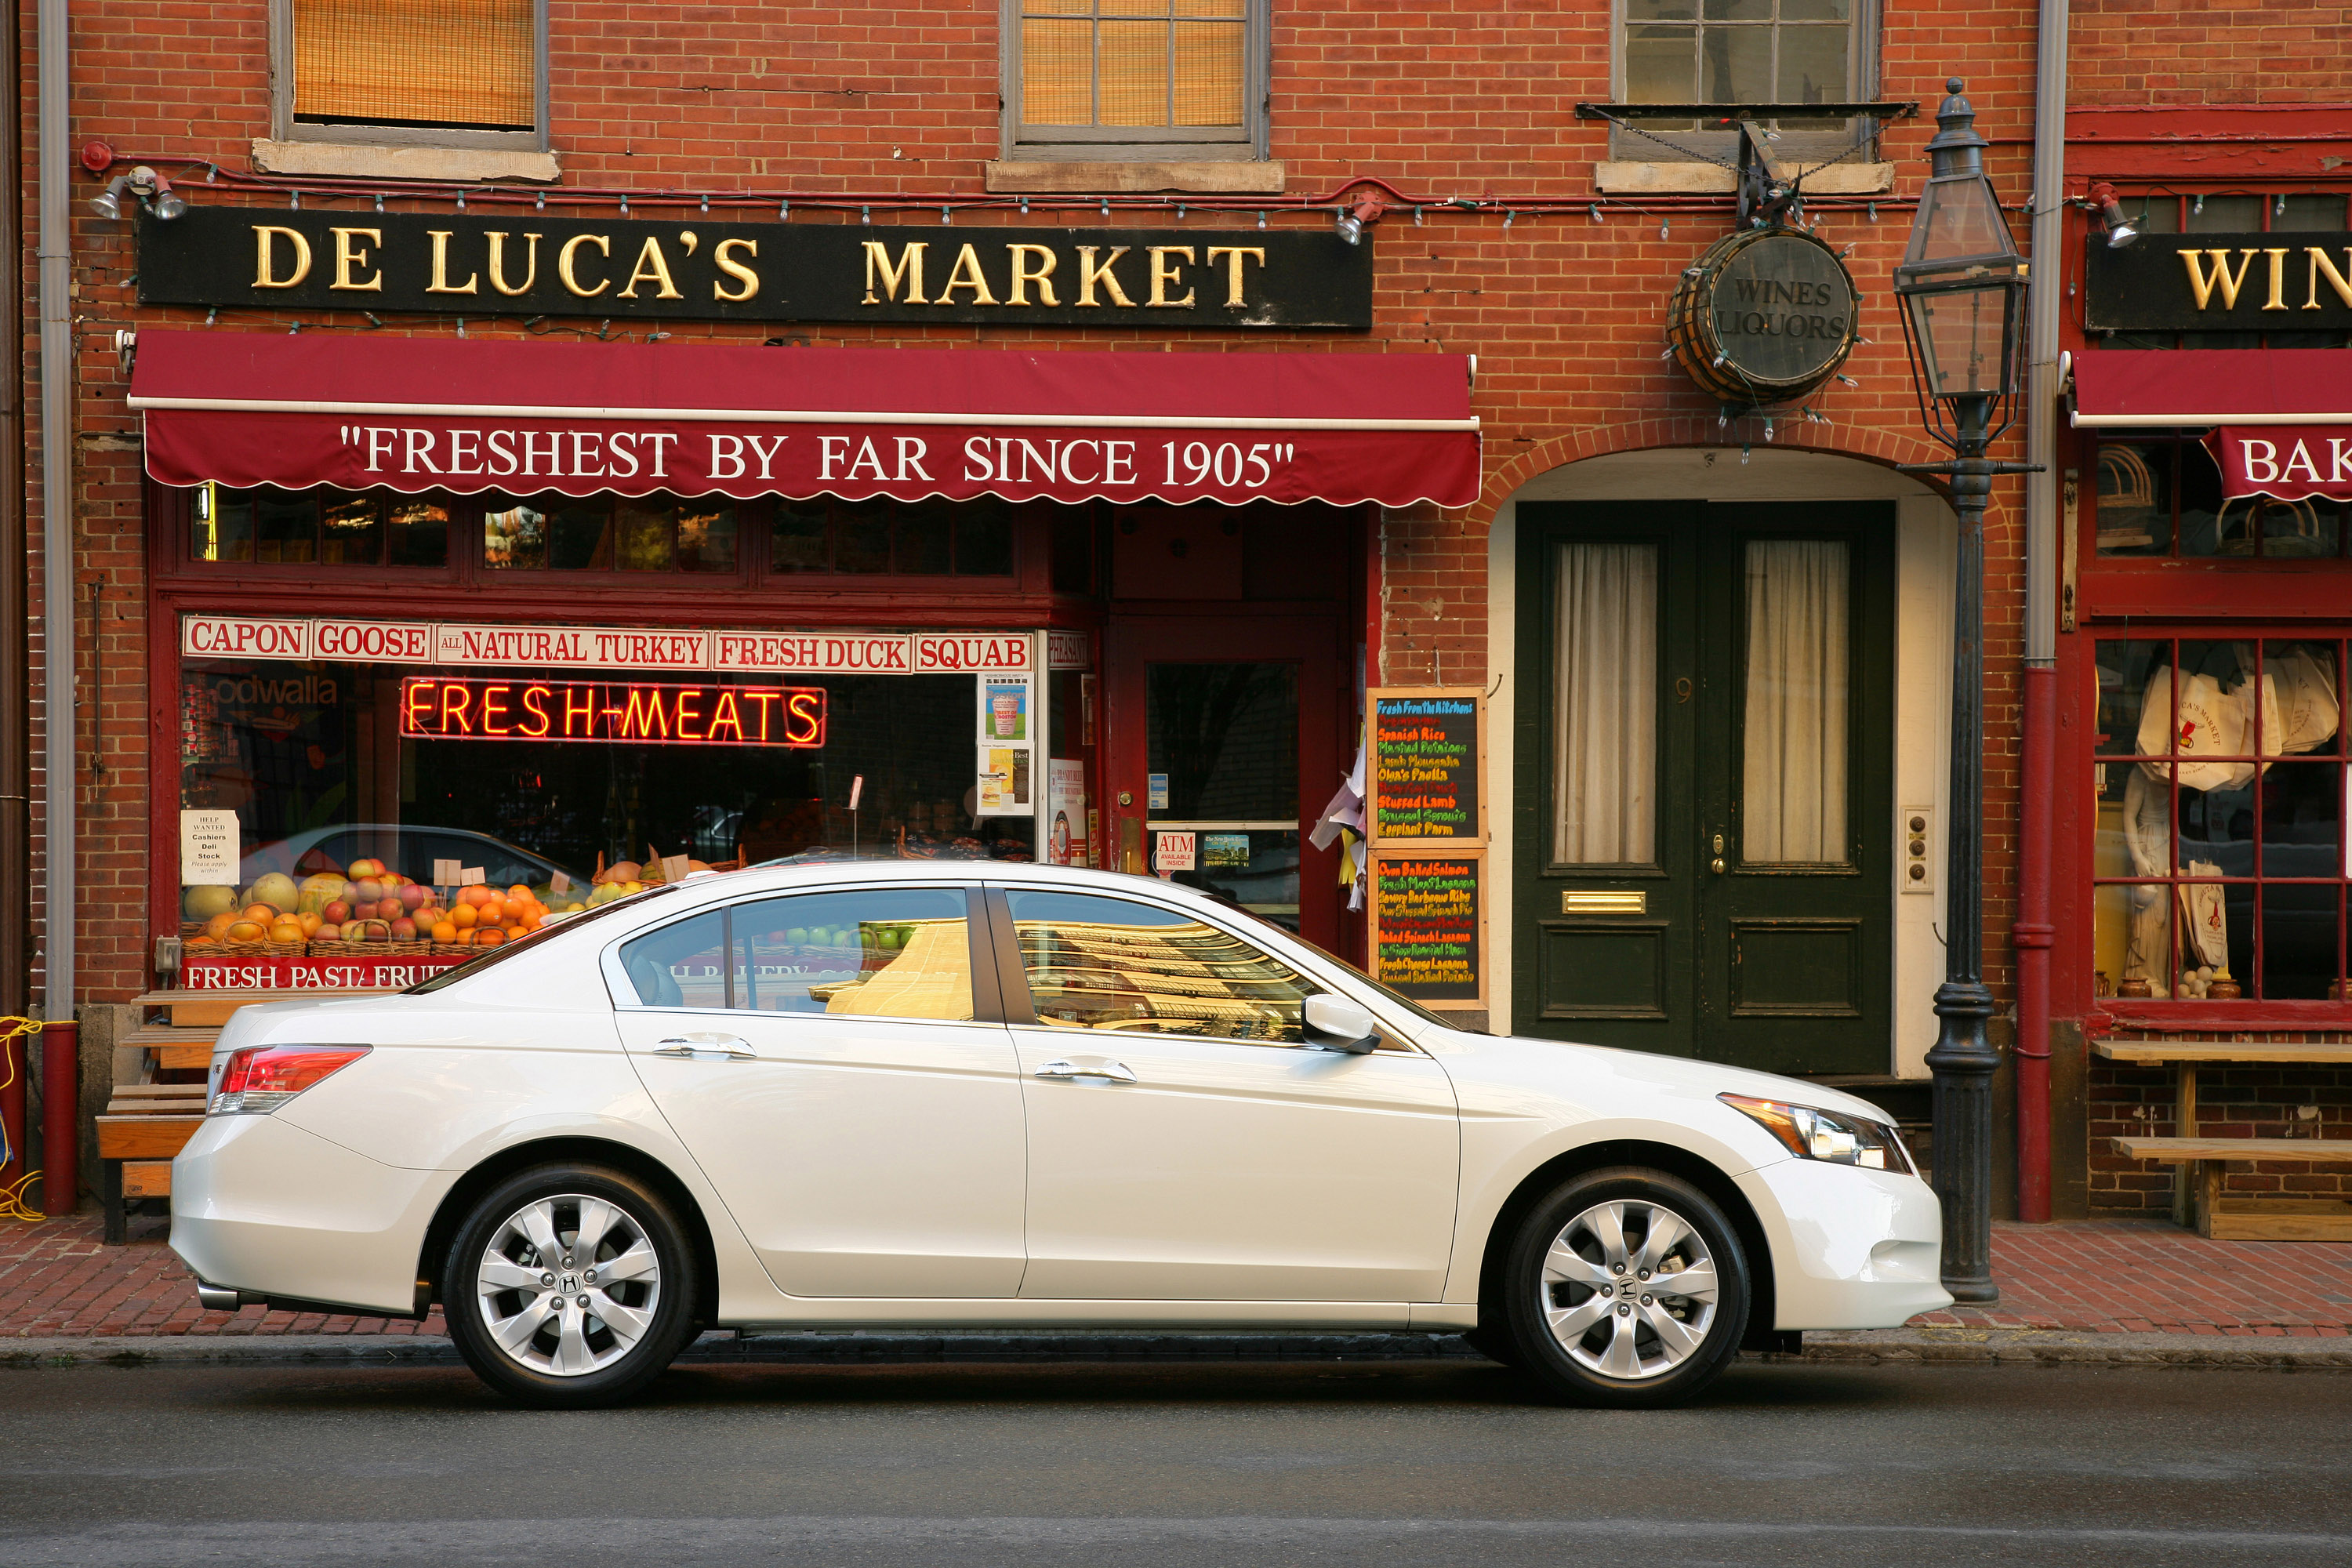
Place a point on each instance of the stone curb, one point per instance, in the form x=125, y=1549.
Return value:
x=1945, y=1346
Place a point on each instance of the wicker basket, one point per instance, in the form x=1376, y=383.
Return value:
x=336, y=947
x=454, y=949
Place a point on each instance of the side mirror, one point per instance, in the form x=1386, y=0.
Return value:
x=1336, y=1024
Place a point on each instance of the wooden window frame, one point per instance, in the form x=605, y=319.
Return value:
x=284, y=127
x=1136, y=143
x=1723, y=146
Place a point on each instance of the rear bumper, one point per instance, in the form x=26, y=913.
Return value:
x=267, y=1211
x=1851, y=1249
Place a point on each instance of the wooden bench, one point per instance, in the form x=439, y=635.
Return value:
x=145, y=1126
x=2197, y=1199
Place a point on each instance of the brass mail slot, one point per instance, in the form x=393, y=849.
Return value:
x=1604, y=902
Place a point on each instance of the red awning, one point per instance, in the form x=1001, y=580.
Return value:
x=2151, y=387
x=584, y=418
x=2284, y=415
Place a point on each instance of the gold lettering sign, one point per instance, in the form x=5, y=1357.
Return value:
x=350, y=256
x=264, y=246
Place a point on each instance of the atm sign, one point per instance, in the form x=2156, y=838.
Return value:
x=617, y=712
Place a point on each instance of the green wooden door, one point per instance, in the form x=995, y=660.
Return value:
x=1705, y=759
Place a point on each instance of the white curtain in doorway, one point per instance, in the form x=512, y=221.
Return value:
x=1793, y=781
x=1605, y=706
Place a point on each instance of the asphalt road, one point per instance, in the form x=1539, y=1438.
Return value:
x=1141, y=1466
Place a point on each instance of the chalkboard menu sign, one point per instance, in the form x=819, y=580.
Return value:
x=1428, y=925
x=1428, y=749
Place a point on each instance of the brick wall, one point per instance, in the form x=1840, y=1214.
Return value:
x=2251, y=1101
x=2147, y=53
x=1474, y=98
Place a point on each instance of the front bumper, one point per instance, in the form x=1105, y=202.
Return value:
x=262, y=1208
x=1851, y=1249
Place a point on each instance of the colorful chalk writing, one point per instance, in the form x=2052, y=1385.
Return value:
x=1426, y=926
x=1424, y=766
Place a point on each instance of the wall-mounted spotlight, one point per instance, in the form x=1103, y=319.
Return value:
x=1358, y=216
x=2102, y=200
x=151, y=189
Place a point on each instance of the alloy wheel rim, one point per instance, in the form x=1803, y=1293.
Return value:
x=1629, y=1289
x=568, y=1285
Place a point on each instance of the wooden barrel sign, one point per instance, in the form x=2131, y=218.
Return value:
x=1764, y=318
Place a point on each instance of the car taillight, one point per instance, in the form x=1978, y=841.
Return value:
x=257, y=1079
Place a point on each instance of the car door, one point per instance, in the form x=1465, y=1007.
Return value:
x=1188, y=1143
x=820, y=1054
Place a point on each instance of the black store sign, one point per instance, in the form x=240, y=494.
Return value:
x=2219, y=282
x=527, y=263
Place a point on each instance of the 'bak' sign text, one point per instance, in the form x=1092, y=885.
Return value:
x=525, y=262
x=2275, y=282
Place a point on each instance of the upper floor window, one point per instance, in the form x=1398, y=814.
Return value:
x=1101, y=80
x=1742, y=52
x=433, y=72
x=326, y=528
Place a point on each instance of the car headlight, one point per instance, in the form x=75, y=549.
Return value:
x=1829, y=1135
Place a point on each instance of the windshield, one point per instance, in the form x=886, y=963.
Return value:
x=1388, y=992
x=500, y=955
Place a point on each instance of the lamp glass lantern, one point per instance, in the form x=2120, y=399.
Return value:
x=1962, y=288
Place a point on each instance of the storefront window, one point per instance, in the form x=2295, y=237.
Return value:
x=602, y=534
x=2219, y=854
x=2163, y=497
x=327, y=528
x=884, y=537
x=568, y=781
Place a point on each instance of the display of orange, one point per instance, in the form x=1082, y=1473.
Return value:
x=519, y=891
x=464, y=915
x=489, y=936
x=445, y=930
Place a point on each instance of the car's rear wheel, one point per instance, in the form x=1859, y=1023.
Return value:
x=570, y=1286
x=1625, y=1287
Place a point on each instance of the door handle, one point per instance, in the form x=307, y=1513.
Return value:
x=733, y=1048
x=1118, y=1072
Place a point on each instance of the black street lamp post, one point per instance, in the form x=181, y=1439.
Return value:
x=1962, y=289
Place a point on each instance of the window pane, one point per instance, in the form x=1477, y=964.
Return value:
x=1058, y=73
x=983, y=539
x=420, y=534
x=1056, y=7
x=2131, y=939
x=2306, y=213
x=1134, y=65
x=926, y=538
x=2134, y=498
x=466, y=63
x=1735, y=65
x=579, y=536
x=1208, y=73
x=1605, y=706
x=1793, y=736
x=863, y=536
x=2289, y=530
x=2300, y=834
x=1816, y=10
x=2217, y=829
x=680, y=965
x=645, y=541
x=286, y=528
x=796, y=540
x=2134, y=833
x=1110, y=963
x=1660, y=10
x=2128, y=673
x=1234, y=8
x=2303, y=680
x=2300, y=940
x=2217, y=937
x=706, y=537
x=1227, y=737
x=2201, y=502
x=515, y=539
x=227, y=534
x=1737, y=10
x=1073, y=550
x=2225, y=214
x=350, y=530
x=1812, y=65
x=890, y=953
x=1660, y=64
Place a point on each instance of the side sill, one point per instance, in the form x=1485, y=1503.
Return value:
x=1207, y=176
x=359, y=160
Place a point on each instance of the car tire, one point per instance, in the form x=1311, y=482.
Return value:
x=1580, y=1334
x=553, y=1327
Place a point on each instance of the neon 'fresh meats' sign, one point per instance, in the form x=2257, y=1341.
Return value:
x=632, y=713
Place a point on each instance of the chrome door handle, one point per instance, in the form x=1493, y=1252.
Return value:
x=733, y=1048
x=1118, y=1072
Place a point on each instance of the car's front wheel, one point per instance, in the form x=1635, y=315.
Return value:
x=1625, y=1287
x=570, y=1286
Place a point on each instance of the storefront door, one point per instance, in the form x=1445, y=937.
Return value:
x=1228, y=729
x=1706, y=721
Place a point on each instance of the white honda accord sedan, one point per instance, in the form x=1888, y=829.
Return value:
x=899, y=1094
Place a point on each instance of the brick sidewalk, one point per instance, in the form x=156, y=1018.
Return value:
x=2104, y=1276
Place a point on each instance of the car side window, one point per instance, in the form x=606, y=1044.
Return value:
x=683, y=965
x=880, y=952
x=1097, y=963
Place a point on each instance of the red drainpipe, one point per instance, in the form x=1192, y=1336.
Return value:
x=2033, y=934
x=60, y=1115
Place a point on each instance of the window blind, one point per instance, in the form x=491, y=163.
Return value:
x=1141, y=63
x=464, y=64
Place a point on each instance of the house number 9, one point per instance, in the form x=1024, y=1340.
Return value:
x=1683, y=689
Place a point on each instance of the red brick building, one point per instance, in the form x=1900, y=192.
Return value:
x=1706, y=637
